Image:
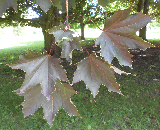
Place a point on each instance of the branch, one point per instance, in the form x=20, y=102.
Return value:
x=34, y=21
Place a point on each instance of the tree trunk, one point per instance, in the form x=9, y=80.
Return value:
x=142, y=32
x=50, y=19
x=82, y=27
x=82, y=31
x=140, y=5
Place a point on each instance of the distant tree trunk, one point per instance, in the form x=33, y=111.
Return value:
x=49, y=22
x=82, y=30
x=142, y=32
x=145, y=11
x=82, y=26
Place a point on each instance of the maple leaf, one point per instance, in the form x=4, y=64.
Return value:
x=119, y=34
x=40, y=69
x=118, y=71
x=60, y=97
x=4, y=4
x=59, y=32
x=94, y=71
x=44, y=4
x=68, y=46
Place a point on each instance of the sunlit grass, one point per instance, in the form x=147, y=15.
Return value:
x=154, y=41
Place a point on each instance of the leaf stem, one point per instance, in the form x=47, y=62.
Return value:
x=52, y=2
x=74, y=29
x=67, y=14
x=51, y=48
x=86, y=18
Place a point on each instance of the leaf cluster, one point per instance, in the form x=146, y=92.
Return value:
x=46, y=83
x=43, y=84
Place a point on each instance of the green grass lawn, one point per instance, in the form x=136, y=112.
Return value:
x=155, y=41
x=138, y=109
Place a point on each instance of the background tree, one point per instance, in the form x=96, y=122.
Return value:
x=155, y=9
x=147, y=7
x=18, y=30
x=150, y=7
x=89, y=9
x=143, y=4
x=45, y=21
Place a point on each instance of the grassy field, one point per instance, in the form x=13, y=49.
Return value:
x=138, y=109
x=155, y=41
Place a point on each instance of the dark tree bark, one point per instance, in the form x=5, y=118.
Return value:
x=50, y=19
x=145, y=3
x=82, y=28
x=47, y=21
x=140, y=5
x=48, y=40
x=82, y=31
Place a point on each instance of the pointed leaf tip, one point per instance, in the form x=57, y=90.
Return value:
x=60, y=97
x=120, y=34
x=4, y=4
x=94, y=72
x=118, y=71
x=67, y=48
x=40, y=69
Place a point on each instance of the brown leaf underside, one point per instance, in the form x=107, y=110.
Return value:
x=119, y=35
x=33, y=99
x=94, y=71
x=42, y=86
